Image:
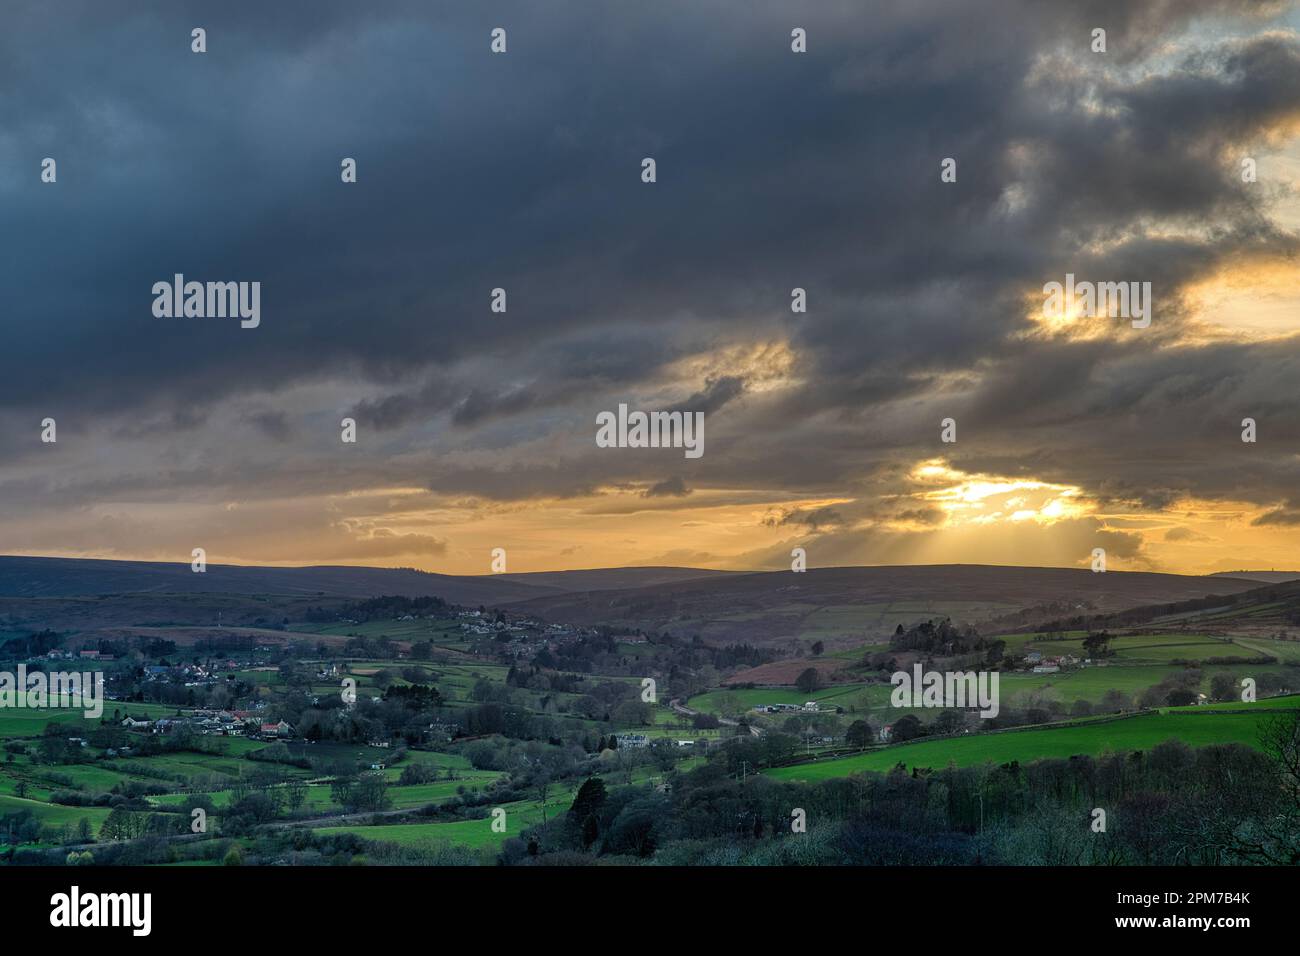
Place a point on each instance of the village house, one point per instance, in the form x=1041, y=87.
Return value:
x=775, y=708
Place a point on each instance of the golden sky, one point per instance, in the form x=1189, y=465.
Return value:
x=777, y=171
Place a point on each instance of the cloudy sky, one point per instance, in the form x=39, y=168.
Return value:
x=775, y=170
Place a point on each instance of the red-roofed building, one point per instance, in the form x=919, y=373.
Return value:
x=282, y=729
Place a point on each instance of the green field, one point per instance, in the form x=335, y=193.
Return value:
x=837, y=620
x=1140, y=732
x=439, y=630
x=52, y=814
x=1143, y=661
x=1091, y=683
x=748, y=698
x=1132, y=647
x=19, y=722
x=477, y=834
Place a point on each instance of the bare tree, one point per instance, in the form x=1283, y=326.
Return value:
x=1273, y=836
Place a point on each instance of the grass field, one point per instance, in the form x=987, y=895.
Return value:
x=439, y=630
x=1142, y=661
x=1091, y=683
x=477, y=834
x=1131, y=647
x=833, y=621
x=1140, y=732
x=746, y=698
x=52, y=814
x=19, y=722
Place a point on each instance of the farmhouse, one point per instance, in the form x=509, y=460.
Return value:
x=281, y=729
x=775, y=708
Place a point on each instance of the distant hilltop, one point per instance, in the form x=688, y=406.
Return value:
x=1267, y=577
x=756, y=608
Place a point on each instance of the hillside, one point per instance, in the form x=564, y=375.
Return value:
x=1264, y=577
x=1265, y=611
x=776, y=606
x=836, y=605
x=28, y=577
x=603, y=579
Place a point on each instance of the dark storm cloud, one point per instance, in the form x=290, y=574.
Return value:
x=522, y=171
x=817, y=519
x=271, y=422
x=674, y=487
x=715, y=394
x=551, y=374
x=1281, y=516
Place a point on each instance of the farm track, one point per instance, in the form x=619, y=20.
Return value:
x=680, y=708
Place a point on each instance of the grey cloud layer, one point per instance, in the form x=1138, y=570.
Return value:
x=522, y=171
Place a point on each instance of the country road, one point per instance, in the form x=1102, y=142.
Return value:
x=680, y=708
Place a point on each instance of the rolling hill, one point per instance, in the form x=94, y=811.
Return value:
x=1263, y=577
x=835, y=604
x=779, y=605
x=28, y=577
x=604, y=579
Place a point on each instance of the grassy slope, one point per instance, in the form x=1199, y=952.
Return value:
x=52, y=814
x=1236, y=724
